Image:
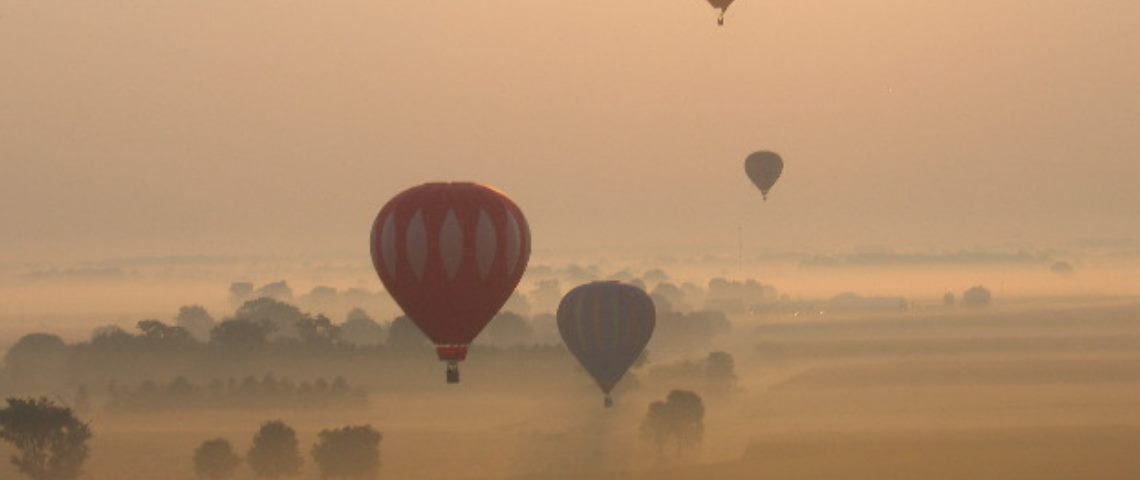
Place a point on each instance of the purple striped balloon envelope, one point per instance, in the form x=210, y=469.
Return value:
x=606, y=325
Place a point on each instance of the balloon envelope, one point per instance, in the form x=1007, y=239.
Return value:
x=764, y=168
x=450, y=254
x=606, y=325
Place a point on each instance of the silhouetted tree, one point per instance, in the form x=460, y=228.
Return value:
x=215, y=459
x=281, y=315
x=37, y=361
x=50, y=440
x=678, y=420
x=691, y=330
x=661, y=303
x=655, y=275
x=318, y=332
x=1062, y=268
x=240, y=292
x=720, y=371
x=348, y=452
x=321, y=294
x=546, y=329
x=279, y=290
x=978, y=296
x=196, y=320
x=112, y=339
x=404, y=334
x=166, y=338
x=360, y=329
x=274, y=453
x=518, y=303
x=672, y=294
x=241, y=334
x=507, y=329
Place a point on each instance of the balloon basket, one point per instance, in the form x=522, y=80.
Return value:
x=608, y=402
x=452, y=372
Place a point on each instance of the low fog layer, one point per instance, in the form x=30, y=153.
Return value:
x=851, y=382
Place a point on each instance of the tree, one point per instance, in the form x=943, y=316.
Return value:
x=318, y=332
x=37, y=361
x=158, y=335
x=274, y=453
x=678, y=420
x=240, y=292
x=51, y=441
x=215, y=459
x=281, y=315
x=348, y=452
x=196, y=320
x=978, y=296
x=720, y=371
x=403, y=333
x=241, y=334
x=1062, y=268
x=672, y=294
x=948, y=299
x=279, y=290
x=507, y=329
x=360, y=329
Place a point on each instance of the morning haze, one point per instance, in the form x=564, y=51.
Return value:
x=942, y=283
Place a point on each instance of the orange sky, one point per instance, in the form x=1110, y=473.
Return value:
x=218, y=127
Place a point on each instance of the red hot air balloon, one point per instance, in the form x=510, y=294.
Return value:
x=450, y=254
x=606, y=325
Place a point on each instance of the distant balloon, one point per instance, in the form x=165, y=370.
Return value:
x=764, y=168
x=606, y=325
x=723, y=6
x=450, y=254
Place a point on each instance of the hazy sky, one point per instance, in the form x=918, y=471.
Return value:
x=172, y=127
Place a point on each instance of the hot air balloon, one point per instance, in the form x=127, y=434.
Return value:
x=764, y=169
x=723, y=6
x=606, y=325
x=450, y=254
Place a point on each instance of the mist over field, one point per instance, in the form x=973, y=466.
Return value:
x=845, y=365
x=863, y=240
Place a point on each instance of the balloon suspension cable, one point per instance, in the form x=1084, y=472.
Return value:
x=452, y=371
x=609, y=401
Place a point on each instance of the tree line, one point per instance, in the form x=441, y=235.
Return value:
x=51, y=443
x=268, y=392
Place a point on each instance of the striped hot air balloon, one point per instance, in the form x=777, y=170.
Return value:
x=450, y=254
x=606, y=325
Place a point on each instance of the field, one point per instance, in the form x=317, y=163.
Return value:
x=1039, y=390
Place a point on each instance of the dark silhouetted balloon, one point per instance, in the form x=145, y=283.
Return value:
x=450, y=254
x=606, y=325
x=764, y=168
x=723, y=6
